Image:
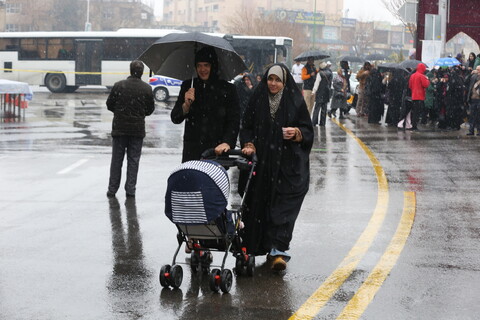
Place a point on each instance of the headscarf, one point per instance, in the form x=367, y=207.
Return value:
x=274, y=99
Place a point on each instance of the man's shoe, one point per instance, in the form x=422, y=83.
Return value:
x=279, y=263
x=470, y=134
x=110, y=194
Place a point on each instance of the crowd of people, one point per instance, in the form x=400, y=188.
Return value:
x=441, y=97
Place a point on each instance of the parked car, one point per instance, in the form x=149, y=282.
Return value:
x=164, y=87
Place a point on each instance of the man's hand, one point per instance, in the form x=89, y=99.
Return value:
x=189, y=98
x=221, y=148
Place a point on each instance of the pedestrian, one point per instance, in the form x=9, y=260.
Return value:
x=339, y=99
x=244, y=90
x=321, y=90
x=130, y=100
x=309, y=72
x=470, y=62
x=395, y=87
x=473, y=100
x=278, y=128
x=362, y=77
x=210, y=108
x=375, y=90
x=297, y=74
x=418, y=83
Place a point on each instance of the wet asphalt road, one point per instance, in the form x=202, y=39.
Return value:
x=68, y=252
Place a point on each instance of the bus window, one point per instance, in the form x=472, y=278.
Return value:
x=32, y=49
x=9, y=44
x=60, y=49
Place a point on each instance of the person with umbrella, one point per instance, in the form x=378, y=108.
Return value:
x=210, y=108
x=277, y=127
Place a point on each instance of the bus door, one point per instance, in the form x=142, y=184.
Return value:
x=88, y=59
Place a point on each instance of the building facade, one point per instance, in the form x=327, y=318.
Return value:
x=74, y=15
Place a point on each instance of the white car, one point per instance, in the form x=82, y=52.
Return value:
x=164, y=87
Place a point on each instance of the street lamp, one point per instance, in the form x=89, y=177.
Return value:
x=88, y=25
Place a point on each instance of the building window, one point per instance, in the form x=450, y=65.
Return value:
x=215, y=8
x=108, y=13
x=10, y=27
x=14, y=8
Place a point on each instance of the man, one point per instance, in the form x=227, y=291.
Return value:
x=130, y=101
x=418, y=84
x=309, y=72
x=210, y=109
x=297, y=74
x=473, y=100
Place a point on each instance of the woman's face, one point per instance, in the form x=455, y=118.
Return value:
x=275, y=84
x=471, y=57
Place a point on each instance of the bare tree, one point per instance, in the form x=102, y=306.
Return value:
x=394, y=6
x=248, y=21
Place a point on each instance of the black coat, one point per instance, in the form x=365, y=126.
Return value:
x=130, y=101
x=283, y=169
x=214, y=116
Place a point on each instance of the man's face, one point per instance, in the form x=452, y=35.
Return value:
x=203, y=70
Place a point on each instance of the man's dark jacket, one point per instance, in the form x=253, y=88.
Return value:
x=130, y=101
x=213, y=118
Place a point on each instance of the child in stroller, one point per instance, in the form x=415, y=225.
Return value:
x=196, y=202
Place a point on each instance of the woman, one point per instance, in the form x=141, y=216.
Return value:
x=321, y=90
x=375, y=90
x=277, y=127
x=339, y=100
x=470, y=62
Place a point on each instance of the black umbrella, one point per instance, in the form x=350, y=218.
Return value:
x=410, y=64
x=174, y=55
x=390, y=66
x=375, y=56
x=317, y=55
x=351, y=59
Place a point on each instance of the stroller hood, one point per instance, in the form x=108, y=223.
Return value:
x=197, y=192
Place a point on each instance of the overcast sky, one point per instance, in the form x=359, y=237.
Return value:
x=365, y=10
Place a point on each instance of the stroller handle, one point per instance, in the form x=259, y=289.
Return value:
x=209, y=153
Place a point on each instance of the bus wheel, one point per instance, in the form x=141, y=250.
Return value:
x=56, y=82
x=160, y=94
x=70, y=89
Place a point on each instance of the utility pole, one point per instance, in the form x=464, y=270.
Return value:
x=442, y=12
x=314, y=23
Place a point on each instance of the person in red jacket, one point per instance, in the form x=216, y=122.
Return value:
x=418, y=84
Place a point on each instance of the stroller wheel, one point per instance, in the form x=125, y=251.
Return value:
x=215, y=280
x=226, y=280
x=251, y=265
x=239, y=265
x=176, y=276
x=164, y=275
x=194, y=261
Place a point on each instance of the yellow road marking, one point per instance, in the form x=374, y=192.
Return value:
x=324, y=293
x=50, y=71
x=358, y=304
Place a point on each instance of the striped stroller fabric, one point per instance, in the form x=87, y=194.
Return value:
x=215, y=171
x=197, y=192
x=188, y=208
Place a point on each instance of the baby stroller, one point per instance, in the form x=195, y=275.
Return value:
x=196, y=202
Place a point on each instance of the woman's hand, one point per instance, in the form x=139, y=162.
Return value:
x=248, y=149
x=221, y=148
x=288, y=133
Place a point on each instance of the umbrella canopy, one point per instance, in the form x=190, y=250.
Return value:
x=375, y=56
x=317, y=55
x=351, y=59
x=410, y=64
x=447, y=62
x=174, y=55
x=391, y=66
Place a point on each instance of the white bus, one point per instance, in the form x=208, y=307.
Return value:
x=64, y=61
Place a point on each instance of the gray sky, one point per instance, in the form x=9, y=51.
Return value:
x=365, y=10
x=368, y=10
